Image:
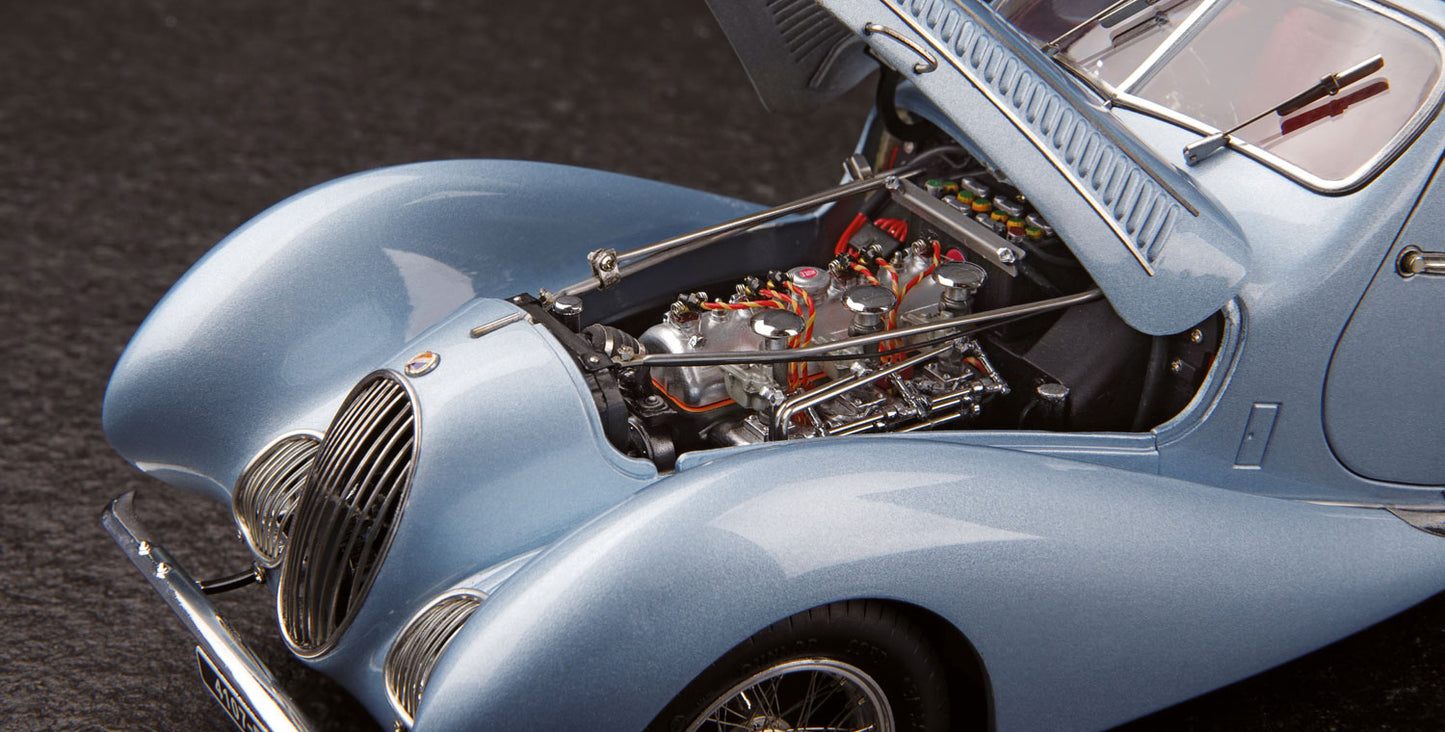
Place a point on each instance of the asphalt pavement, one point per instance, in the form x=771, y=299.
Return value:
x=134, y=134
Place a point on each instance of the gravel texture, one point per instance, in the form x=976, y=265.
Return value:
x=136, y=133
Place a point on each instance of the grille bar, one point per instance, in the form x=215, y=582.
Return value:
x=411, y=659
x=348, y=511
x=267, y=492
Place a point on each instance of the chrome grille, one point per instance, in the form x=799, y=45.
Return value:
x=416, y=651
x=266, y=494
x=347, y=513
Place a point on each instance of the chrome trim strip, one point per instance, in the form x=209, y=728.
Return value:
x=1392, y=507
x=494, y=325
x=240, y=668
x=1172, y=44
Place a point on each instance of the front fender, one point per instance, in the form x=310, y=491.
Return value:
x=1093, y=595
x=269, y=330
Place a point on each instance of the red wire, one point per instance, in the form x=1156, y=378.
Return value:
x=858, y=222
x=896, y=228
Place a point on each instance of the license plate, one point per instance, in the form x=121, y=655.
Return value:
x=235, y=706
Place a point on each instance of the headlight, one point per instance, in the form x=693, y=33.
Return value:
x=412, y=657
x=266, y=494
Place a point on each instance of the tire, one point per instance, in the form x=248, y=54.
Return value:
x=852, y=665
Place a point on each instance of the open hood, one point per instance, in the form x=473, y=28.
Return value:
x=1164, y=252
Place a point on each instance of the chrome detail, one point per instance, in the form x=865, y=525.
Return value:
x=636, y=260
x=242, y=672
x=960, y=281
x=777, y=327
x=1431, y=521
x=416, y=650
x=568, y=309
x=929, y=62
x=812, y=352
x=266, y=494
x=979, y=239
x=604, y=267
x=1052, y=47
x=1413, y=262
x=779, y=428
x=422, y=364
x=870, y=305
x=1195, y=152
x=497, y=324
x=1182, y=33
x=786, y=696
x=347, y=514
x=1124, y=99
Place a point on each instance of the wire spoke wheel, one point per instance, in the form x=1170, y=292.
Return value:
x=801, y=695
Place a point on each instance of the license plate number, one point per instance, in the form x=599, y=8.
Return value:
x=236, y=707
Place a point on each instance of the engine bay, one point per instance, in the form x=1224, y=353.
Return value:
x=930, y=295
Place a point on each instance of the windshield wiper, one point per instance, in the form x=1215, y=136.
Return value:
x=1108, y=17
x=1125, y=34
x=1334, y=108
x=1328, y=86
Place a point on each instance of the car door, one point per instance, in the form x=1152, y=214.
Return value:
x=1385, y=394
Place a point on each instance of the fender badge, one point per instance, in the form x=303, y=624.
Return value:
x=422, y=364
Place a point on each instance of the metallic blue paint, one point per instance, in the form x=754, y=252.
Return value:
x=506, y=425
x=1099, y=576
x=1385, y=398
x=1093, y=594
x=1003, y=95
x=271, y=328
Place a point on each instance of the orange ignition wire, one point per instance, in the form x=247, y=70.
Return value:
x=897, y=294
x=807, y=305
x=860, y=269
x=678, y=403
x=746, y=305
x=807, y=336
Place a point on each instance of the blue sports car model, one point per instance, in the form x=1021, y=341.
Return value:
x=1110, y=373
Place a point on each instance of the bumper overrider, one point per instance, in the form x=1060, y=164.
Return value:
x=238, y=680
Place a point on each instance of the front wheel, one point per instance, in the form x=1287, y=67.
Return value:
x=850, y=666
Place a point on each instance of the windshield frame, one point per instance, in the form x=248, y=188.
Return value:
x=1123, y=97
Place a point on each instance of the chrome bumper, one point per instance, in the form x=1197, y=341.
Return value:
x=244, y=674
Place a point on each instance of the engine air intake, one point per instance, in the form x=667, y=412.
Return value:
x=417, y=649
x=267, y=492
x=347, y=513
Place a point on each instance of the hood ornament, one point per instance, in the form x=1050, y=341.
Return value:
x=422, y=364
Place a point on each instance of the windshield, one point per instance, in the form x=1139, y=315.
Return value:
x=1223, y=62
